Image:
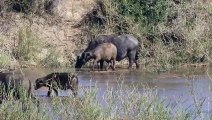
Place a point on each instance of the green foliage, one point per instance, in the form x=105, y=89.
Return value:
x=145, y=12
x=5, y=60
x=124, y=15
x=123, y=102
x=28, y=46
x=24, y=108
x=52, y=59
x=170, y=33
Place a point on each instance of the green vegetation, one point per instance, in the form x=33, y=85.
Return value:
x=114, y=104
x=5, y=60
x=53, y=59
x=25, y=108
x=27, y=6
x=28, y=46
x=171, y=33
x=32, y=49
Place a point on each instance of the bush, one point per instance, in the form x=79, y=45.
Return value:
x=32, y=49
x=52, y=59
x=5, y=60
x=30, y=6
x=146, y=13
x=28, y=46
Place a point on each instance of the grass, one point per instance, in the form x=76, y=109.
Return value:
x=191, y=19
x=28, y=7
x=54, y=58
x=28, y=46
x=123, y=102
x=5, y=57
x=189, y=36
x=186, y=25
x=5, y=60
x=32, y=49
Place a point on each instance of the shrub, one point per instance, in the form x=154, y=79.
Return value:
x=5, y=60
x=28, y=46
x=146, y=13
x=53, y=58
x=30, y=6
x=32, y=49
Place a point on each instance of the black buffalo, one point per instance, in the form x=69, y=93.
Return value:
x=11, y=83
x=127, y=46
x=55, y=81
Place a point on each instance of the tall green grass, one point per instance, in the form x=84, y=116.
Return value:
x=5, y=60
x=28, y=45
x=113, y=104
x=5, y=57
x=23, y=108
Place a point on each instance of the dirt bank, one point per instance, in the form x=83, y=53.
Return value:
x=52, y=30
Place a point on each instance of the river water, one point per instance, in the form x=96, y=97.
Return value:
x=185, y=83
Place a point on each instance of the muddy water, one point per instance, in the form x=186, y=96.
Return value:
x=181, y=84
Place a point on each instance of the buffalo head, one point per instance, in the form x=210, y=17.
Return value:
x=81, y=60
x=40, y=83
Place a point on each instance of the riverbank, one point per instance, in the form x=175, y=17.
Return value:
x=53, y=37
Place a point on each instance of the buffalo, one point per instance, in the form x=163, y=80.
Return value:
x=126, y=44
x=11, y=83
x=104, y=52
x=55, y=81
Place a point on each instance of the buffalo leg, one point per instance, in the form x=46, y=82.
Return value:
x=56, y=91
x=131, y=56
x=136, y=60
x=49, y=92
x=74, y=90
x=101, y=64
x=107, y=66
x=94, y=62
x=113, y=65
x=136, y=63
x=93, y=65
x=130, y=63
x=74, y=86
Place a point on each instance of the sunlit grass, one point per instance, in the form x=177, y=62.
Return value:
x=122, y=102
